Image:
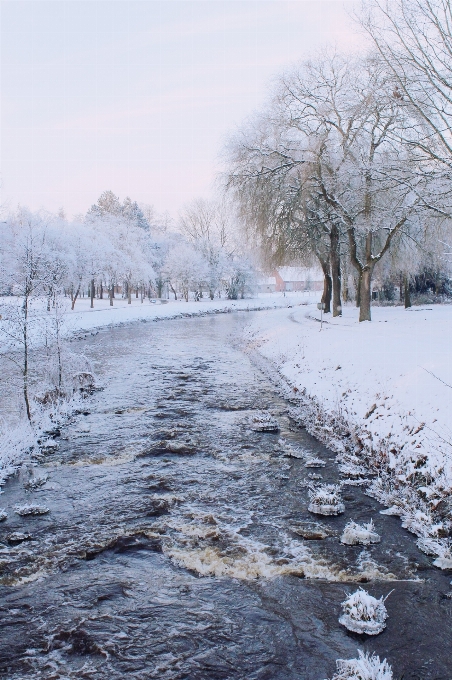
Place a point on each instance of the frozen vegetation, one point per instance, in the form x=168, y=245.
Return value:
x=326, y=500
x=365, y=667
x=364, y=613
x=363, y=534
x=378, y=394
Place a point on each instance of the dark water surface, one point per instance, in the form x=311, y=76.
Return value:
x=168, y=551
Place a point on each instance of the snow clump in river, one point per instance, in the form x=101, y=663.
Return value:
x=364, y=613
x=263, y=422
x=365, y=667
x=31, y=509
x=315, y=463
x=326, y=500
x=3, y=514
x=359, y=533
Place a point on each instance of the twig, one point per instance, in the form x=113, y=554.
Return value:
x=435, y=376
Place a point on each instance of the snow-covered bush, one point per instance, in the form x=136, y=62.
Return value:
x=364, y=613
x=326, y=500
x=359, y=533
x=365, y=667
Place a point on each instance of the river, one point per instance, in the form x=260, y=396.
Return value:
x=172, y=547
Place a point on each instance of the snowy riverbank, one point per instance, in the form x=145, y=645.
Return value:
x=84, y=318
x=378, y=393
x=18, y=438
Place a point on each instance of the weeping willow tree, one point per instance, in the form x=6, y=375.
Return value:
x=283, y=218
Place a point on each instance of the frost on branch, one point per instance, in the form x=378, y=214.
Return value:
x=365, y=667
x=31, y=509
x=363, y=534
x=326, y=500
x=364, y=613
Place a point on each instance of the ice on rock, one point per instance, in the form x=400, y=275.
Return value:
x=364, y=613
x=31, y=509
x=3, y=514
x=326, y=500
x=315, y=463
x=365, y=667
x=263, y=422
x=363, y=534
x=289, y=450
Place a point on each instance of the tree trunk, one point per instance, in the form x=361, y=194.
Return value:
x=74, y=297
x=358, y=291
x=365, y=294
x=335, y=270
x=92, y=294
x=407, y=297
x=327, y=284
x=129, y=294
x=111, y=294
x=25, y=364
x=136, y=293
x=101, y=291
x=173, y=291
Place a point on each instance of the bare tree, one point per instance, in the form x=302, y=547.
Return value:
x=23, y=269
x=348, y=120
x=414, y=39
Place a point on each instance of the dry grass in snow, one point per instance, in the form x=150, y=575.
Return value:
x=377, y=393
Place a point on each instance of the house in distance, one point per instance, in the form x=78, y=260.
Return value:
x=291, y=279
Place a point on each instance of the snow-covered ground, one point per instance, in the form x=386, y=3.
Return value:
x=379, y=392
x=83, y=318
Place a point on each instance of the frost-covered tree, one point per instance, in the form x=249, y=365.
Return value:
x=23, y=274
x=414, y=40
x=328, y=158
x=108, y=204
x=185, y=269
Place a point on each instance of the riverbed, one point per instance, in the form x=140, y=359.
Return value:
x=172, y=548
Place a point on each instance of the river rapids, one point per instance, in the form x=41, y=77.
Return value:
x=178, y=542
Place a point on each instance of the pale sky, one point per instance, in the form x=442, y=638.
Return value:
x=138, y=96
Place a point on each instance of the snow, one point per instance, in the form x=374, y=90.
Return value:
x=326, y=500
x=84, y=319
x=31, y=509
x=378, y=393
x=365, y=667
x=363, y=534
x=364, y=613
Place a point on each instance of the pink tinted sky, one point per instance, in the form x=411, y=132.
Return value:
x=138, y=96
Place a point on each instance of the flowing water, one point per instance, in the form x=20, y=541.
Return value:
x=173, y=548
